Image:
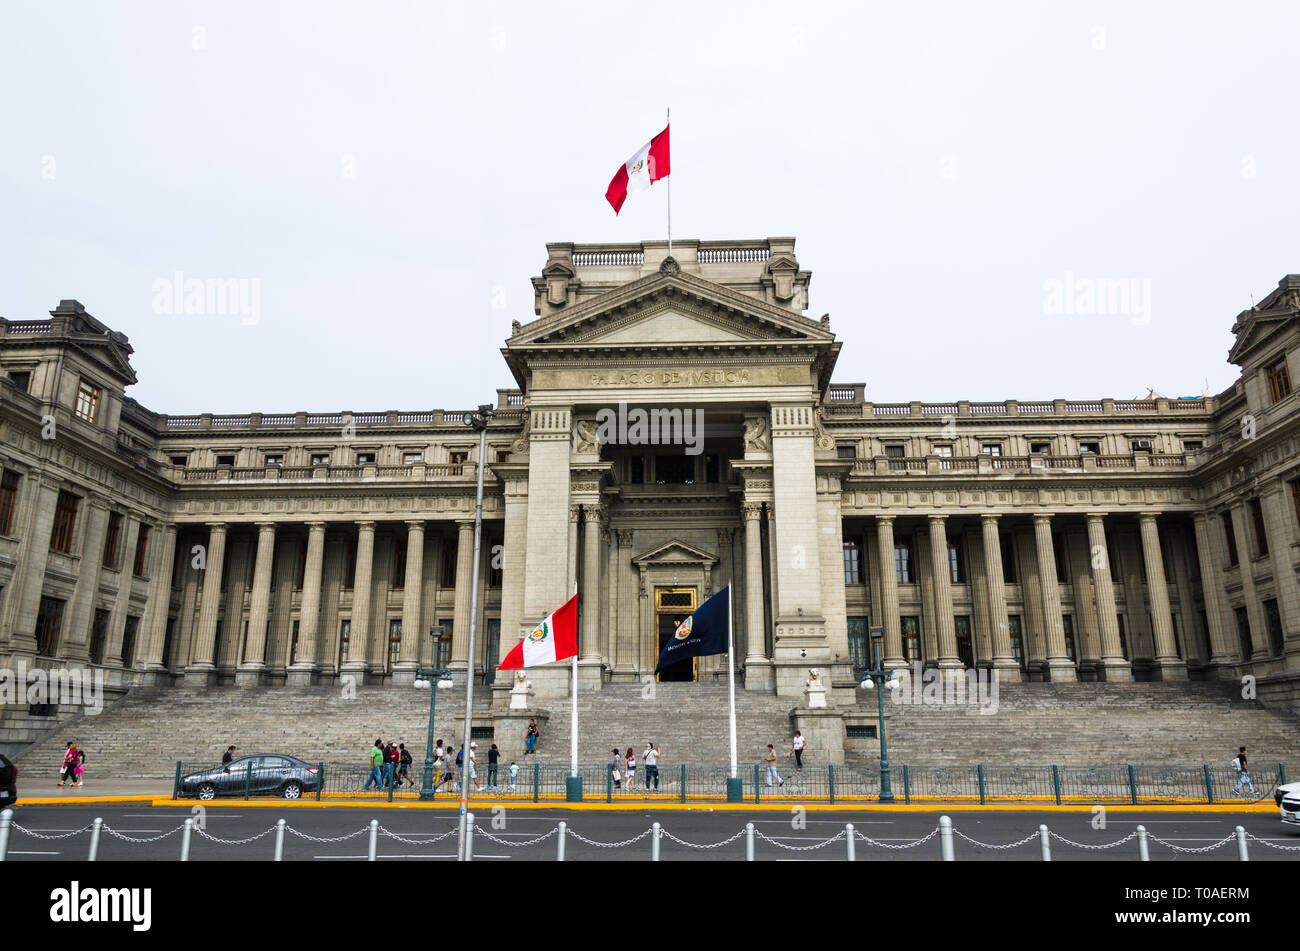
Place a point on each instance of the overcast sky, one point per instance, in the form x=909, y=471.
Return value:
x=959, y=177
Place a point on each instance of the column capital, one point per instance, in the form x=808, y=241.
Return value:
x=216, y=527
x=989, y=518
x=1041, y=518
x=591, y=513
x=752, y=510
x=366, y=525
x=1095, y=516
x=1148, y=516
x=315, y=526
x=575, y=513
x=1200, y=518
x=937, y=518
x=885, y=519
x=415, y=524
x=265, y=527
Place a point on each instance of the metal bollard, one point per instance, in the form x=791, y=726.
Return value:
x=1045, y=843
x=94, y=839
x=1242, y=853
x=848, y=834
x=749, y=841
x=460, y=838
x=945, y=839
x=1144, y=853
x=279, y=840
x=654, y=842
x=6, y=821
x=559, y=842
x=185, y=840
x=469, y=837
x=374, y=840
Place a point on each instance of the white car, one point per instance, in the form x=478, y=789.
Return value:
x=1288, y=800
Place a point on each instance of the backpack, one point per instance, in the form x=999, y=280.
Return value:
x=1236, y=763
x=460, y=757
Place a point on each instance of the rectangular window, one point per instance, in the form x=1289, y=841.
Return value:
x=712, y=469
x=1090, y=447
x=1058, y=550
x=965, y=646
x=141, y=550
x=636, y=470
x=846, y=451
x=128, y=640
x=1257, y=520
x=1123, y=638
x=859, y=644
x=911, y=628
x=22, y=380
x=442, y=646
x=956, y=561
x=991, y=449
x=852, y=562
x=1140, y=445
x=1243, y=631
x=365, y=458
x=293, y=645
x=1279, y=380
x=458, y=460
x=9, y=500
x=1009, y=573
x=1017, y=639
x=98, y=635
x=49, y=619
x=903, y=561
x=399, y=565
x=65, y=521
x=945, y=456
x=503, y=456
x=273, y=459
x=87, y=401
x=895, y=456
x=1041, y=448
x=1193, y=445
x=394, y=643
x=449, y=563
x=320, y=458
x=225, y=460
x=496, y=558
x=111, y=539
x=179, y=460
x=1067, y=623
x=411, y=458
x=345, y=634
x=1231, y=537
x=1273, y=621
x=674, y=470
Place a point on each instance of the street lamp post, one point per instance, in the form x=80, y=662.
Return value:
x=878, y=680
x=433, y=679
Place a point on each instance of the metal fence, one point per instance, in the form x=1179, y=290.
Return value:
x=688, y=782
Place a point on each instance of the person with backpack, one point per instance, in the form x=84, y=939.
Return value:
x=404, y=764
x=69, y=763
x=1243, y=771
x=460, y=762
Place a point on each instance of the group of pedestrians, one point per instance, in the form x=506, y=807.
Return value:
x=797, y=745
x=446, y=767
x=390, y=765
x=74, y=766
x=623, y=767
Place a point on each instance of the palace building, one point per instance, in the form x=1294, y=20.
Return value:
x=1053, y=540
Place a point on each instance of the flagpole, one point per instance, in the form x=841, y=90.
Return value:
x=668, y=122
x=731, y=681
x=573, y=717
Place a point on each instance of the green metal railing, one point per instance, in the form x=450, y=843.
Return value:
x=536, y=782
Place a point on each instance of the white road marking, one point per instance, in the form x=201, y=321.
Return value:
x=12, y=852
x=477, y=856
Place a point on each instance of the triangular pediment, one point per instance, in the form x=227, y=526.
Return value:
x=1254, y=328
x=675, y=553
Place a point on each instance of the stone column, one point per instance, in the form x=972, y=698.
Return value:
x=75, y=638
x=309, y=614
x=889, y=614
x=1280, y=519
x=1222, y=653
x=35, y=523
x=758, y=670
x=121, y=603
x=941, y=570
x=412, y=620
x=359, y=636
x=1060, y=667
x=214, y=560
x=464, y=582
x=628, y=610
x=154, y=623
x=251, y=664
x=1171, y=666
x=588, y=636
x=1003, y=659
x=1114, y=666
x=1245, y=562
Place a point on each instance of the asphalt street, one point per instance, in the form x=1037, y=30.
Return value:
x=50, y=833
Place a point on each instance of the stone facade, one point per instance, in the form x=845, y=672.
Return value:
x=1053, y=540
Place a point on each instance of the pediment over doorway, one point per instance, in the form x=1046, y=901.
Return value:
x=675, y=553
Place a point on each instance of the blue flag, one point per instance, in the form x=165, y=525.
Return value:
x=701, y=634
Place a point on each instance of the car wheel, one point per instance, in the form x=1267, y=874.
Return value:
x=207, y=791
x=292, y=790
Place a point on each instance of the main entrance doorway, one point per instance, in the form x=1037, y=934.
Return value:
x=672, y=607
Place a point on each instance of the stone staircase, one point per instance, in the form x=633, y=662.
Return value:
x=1089, y=724
x=144, y=734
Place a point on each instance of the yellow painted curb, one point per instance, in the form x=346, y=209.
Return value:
x=83, y=800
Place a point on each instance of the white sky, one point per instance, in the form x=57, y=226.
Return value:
x=939, y=164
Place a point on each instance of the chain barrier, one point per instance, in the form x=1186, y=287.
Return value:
x=1204, y=848
x=428, y=841
x=326, y=840
x=610, y=845
x=126, y=838
x=479, y=833
x=1272, y=845
x=897, y=848
x=252, y=838
x=996, y=848
x=708, y=845
x=1109, y=845
x=49, y=838
x=799, y=848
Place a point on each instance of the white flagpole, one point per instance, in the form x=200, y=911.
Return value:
x=668, y=122
x=573, y=718
x=731, y=680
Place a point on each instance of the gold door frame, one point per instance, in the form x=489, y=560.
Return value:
x=660, y=609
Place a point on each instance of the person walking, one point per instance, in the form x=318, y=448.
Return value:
x=494, y=759
x=797, y=744
x=1239, y=764
x=79, y=766
x=448, y=770
x=394, y=758
x=437, y=765
x=228, y=756
x=460, y=763
x=69, y=762
x=531, y=737
x=514, y=775
x=404, y=764
x=616, y=769
x=631, y=770
x=771, y=767
x=376, y=766
x=651, y=758
x=472, y=763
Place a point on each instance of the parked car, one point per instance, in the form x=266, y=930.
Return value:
x=8, y=782
x=1288, y=801
x=264, y=774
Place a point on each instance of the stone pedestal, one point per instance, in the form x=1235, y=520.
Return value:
x=510, y=728
x=823, y=728
x=814, y=691
x=403, y=676
x=300, y=676
x=591, y=675
x=759, y=676
x=521, y=693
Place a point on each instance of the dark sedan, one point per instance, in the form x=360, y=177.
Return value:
x=261, y=775
x=8, y=782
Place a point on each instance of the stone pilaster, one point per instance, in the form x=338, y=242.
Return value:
x=1222, y=652
x=35, y=523
x=251, y=665
x=122, y=601
x=153, y=625
x=1059, y=666
x=941, y=578
x=1280, y=519
x=75, y=639
x=1171, y=666
x=1114, y=665
x=997, y=598
x=888, y=612
x=303, y=668
x=758, y=669
x=359, y=638
x=214, y=559
x=464, y=584
x=412, y=617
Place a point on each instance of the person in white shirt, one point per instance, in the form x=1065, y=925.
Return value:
x=651, y=757
x=437, y=766
x=471, y=762
x=797, y=745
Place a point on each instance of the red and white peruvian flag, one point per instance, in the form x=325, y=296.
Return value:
x=554, y=639
x=647, y=166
